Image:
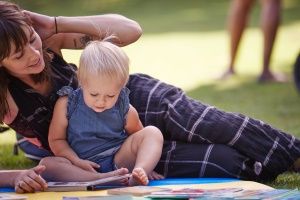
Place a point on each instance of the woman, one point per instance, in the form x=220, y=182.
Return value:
x=200, y=140
x=30, y=72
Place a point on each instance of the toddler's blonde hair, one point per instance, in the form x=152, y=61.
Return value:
x=104, y=59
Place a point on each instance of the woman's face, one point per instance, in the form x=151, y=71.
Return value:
x=28, y=60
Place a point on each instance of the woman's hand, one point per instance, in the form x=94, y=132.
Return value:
x=30, y=180
x=44, y=25
x=86, y=165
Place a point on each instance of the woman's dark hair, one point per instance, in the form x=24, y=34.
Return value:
x=12, y=24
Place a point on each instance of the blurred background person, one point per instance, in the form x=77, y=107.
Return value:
x=237, y=22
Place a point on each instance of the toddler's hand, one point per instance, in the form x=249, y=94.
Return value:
x=87, y=165
x=155, y=176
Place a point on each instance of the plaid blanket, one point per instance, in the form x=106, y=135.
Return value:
x=203, y=141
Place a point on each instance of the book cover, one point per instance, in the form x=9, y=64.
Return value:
x=112, y=181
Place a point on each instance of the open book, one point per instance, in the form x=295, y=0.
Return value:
x=113, y=181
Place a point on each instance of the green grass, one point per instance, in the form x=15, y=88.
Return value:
x=8, y=159
x=185, y=44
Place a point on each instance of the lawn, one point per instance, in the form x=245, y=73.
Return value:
x=185, y=43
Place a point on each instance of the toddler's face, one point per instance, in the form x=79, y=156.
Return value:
x=100, y=94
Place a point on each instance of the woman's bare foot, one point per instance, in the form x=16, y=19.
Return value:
x=138, y=177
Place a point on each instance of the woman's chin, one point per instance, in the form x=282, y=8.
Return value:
x=36, y=69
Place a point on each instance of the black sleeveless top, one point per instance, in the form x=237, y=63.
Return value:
x=35, y=110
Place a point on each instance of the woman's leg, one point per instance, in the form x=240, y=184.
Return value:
x=181, y=118
x=208, y=160
x=61, y=169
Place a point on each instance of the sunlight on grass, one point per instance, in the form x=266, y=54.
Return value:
x=8, y=159
x=232, y=83
x=8, y=137
x=173, y=57
x=189, y=59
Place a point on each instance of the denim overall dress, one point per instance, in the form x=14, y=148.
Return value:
x=95, y=136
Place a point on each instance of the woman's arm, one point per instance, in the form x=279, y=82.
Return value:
x=127, y=31
x=24, y=180
x=133, y=122
x=58, y=137
x=75, y=31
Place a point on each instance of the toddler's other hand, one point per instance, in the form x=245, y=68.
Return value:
x=87, y=165
x=155, y=176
